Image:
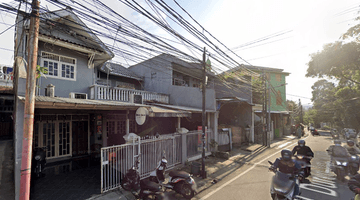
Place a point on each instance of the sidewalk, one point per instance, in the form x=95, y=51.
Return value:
x=216, y=168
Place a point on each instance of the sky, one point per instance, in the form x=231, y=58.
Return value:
x=303, y=27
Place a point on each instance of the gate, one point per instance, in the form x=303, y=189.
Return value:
x=224, y=139
x=116, y=160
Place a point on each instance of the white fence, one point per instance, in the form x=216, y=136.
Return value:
x=123, y=94
x=116, y=160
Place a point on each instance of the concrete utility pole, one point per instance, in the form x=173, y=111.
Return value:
x=203, y=115
x=29, y=103
x=269, y=120
x=301, y=112
x=264, y=111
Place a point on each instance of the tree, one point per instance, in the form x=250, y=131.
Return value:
x=335, y=99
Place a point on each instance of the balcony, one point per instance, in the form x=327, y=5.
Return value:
x=99, y=92
x=6, y=82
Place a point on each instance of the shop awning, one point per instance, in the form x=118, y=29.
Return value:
x=233, y=99
x=155, y=111
x=183, y=108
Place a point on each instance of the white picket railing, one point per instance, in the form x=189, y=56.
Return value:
x=6, y=77
x=116, y=160
x=123, y=94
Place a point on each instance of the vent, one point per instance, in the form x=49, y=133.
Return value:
x=136, y=98
x=74, y=95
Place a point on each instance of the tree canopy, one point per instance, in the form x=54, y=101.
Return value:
x=336, y=96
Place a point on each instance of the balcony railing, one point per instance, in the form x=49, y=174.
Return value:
x=99, y=92
x=6, y=80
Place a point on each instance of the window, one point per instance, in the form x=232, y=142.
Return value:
x=278, y=77
x=59, y=66
x=278, y=98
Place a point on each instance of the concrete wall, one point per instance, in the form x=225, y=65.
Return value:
x=157, y=73
x=84, y=77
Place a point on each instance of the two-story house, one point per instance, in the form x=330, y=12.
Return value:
x=234, y=104
x=83, y=102
x=180, y=80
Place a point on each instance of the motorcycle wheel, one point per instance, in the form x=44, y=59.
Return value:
x=125, y=184
x=340, y=175
x=187, y=191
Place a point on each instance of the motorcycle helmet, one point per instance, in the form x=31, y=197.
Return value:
x=301, y=143
x=286, y=155
x=350, y=143
x=337, y=142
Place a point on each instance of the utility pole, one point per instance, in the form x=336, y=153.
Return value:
x=264, y=111
x=29, y=103
x=203, y=115
x=301, y=112
x=269, y=119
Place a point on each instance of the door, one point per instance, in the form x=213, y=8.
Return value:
x=79, y=138
x=115, y=132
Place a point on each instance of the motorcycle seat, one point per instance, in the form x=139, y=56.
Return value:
x=180, y=174
x=283, y=182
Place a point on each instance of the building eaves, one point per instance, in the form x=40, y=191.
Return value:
x=118, y=70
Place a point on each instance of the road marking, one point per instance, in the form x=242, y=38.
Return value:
x=312, y=186
x=246, y=171
x=327, y=170
x=281, y=146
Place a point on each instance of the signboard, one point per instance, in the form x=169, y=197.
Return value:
x=141, y=115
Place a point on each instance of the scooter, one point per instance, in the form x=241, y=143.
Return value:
x=39, y=161
x=180, y=181
x=354, y=161
x=340, y=167
x=283, y=185
x=141, y=189
x=303, y=161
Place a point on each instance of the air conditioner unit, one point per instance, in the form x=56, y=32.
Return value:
x=136, y=98
x=74, y=95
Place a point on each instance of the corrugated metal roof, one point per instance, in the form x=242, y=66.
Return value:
x=119, y=70
x=190, y=109
x=39, y=99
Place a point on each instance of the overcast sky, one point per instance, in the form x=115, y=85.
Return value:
x=305, y=26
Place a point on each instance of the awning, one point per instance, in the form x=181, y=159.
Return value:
x=155, y=111
x=274, y=112
x=89, y=104
x=233, y=99
x=183, y=108
x=81, y=104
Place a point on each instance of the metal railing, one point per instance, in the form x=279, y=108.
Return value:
x=194, y=142
x=6, y=77
x=116, y=160
x=98, y=92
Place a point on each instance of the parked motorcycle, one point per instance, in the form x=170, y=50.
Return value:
x=303, y=161
x=141, y=189
x=283, y=185
x=180, y=181
x=38, y=161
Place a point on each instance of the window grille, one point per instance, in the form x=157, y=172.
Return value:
x=59, y=66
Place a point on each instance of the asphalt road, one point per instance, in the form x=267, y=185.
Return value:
x=252, y=181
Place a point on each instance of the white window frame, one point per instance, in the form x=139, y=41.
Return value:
x=59, y=63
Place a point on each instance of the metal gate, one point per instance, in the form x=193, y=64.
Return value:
x=116, y=160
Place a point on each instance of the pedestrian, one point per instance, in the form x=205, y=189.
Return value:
x=299, y=131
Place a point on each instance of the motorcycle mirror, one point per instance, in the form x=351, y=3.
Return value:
x=270, y=163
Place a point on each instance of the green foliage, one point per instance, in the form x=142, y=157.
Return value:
x=41, y=71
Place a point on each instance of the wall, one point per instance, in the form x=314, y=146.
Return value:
x=157, y=73
x=282, y=89
x=84, y=75
x=238, y=89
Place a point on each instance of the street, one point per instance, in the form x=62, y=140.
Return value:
x=252, y=181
